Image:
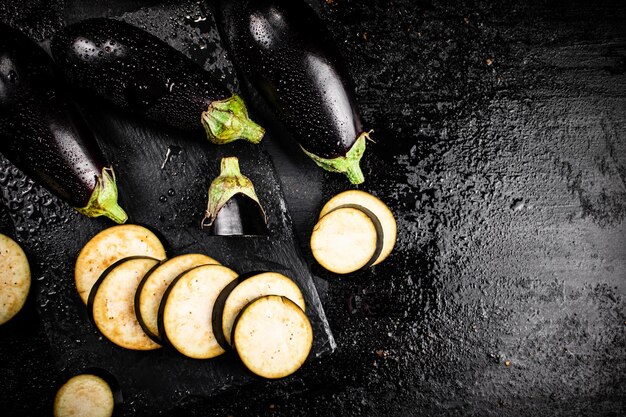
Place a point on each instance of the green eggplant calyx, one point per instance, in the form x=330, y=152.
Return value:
x=227, y=120
x=229, y=183
x=103, y=200
x=348, y=164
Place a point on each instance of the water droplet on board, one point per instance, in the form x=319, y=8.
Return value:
x=518, y=204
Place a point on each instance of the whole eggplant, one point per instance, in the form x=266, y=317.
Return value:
x=138, y=72
x=42, y=133
x=288, y=56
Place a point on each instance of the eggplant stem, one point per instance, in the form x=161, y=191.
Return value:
x=227, y=120
x=348, y=164
x=103, y=200
x=230, y=182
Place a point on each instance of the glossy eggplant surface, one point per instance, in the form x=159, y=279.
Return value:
x=285, y=52
x=138, y=72
x=42, y=133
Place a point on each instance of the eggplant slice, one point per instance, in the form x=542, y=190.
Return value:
x=376, y=206
x=109, y=246
x=154, y=284
x=272, y=336
x=112, y=303
x=230, y=304
x=85, y=395
x=347, y=239
x=14, y=278
x=185, y=311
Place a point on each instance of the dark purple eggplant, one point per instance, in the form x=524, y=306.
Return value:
x=233, y=208
x=42, y=133
x=287, y=55
x=138, y=72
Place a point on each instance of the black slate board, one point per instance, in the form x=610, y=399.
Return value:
x=163, y=176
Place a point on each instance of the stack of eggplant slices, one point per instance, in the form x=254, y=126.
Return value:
x=140, y=300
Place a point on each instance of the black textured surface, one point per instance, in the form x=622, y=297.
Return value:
x=501, y=147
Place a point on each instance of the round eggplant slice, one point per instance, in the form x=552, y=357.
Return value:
x=185, y=311
x=154, y=284
x=272, y=336
x=109, y=246
x=14, y=278
x=85, y=395
x=346, y=239
x=268, y=283
x=112, y=307
x=376, y=206
x=110, y=379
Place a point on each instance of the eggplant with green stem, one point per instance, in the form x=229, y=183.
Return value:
x=233, y=208
x=43, y=134
x=286, y=54
x=140, y=73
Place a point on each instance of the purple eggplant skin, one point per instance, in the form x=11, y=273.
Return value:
x=286, y=53
x=42, y=133
x=240, y=216
x=140, y=73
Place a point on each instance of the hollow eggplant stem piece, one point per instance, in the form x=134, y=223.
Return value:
x=229, y=183
x=103, y=200
x=227, y=120
x=349, y=164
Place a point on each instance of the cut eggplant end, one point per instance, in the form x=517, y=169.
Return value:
x=348, y=164
x=14, y=278
x=233, y=199
x=185, y=320
x=109, y=246
x=267, y=283
x=227, y=120
x=154, y=284
x=378, y=207
x=240, y=216
x=103, y=200
x=273, y=337
x=111, y=303
x=346, y=239
x=85, y=395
